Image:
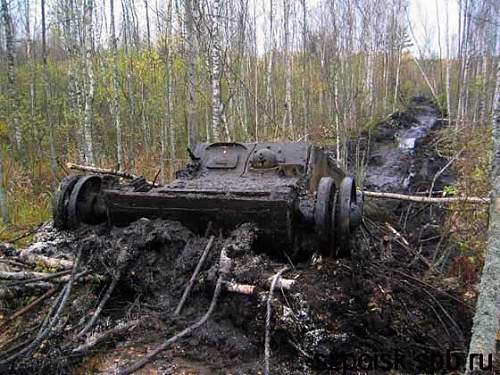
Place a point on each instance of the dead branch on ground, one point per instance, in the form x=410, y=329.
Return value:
x=29, y=307
x=224, y=270
x=120, y=329
x=267, y=339
x=420, y=199
x=194, y=275
x=36, y=259
x=112, y=172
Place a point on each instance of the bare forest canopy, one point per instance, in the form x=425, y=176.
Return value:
x=129, y=85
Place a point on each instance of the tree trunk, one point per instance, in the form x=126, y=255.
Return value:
x=287, y=119
x=46, y=98
x=11, y=75
x=30, y=55
x=116, y=102
x=448, y=66
x=144, y=123
x=270, y=65
x=396, y=85
x=168, y=93
x=190, y=74
x=215, y=61
x=148, y=28
x=256, y=74
x=486, y=322
x=306, y=71
x=88, y=148
x=3, y=198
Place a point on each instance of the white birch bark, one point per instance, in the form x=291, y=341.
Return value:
x=287, y=119
x=215, y=62
x=88, y=148
x=448, y=65
x=190, y=74
x=11, y=75
x=486, y=318
x=46, y=99
x=256, y=74
x=3, y=199
x=396, y=85
x=270, y=66
x=169, y=95
x=115, y=108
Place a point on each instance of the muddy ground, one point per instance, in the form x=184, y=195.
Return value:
x=393, y=305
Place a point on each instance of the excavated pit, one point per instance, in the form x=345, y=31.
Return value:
x=382, y=301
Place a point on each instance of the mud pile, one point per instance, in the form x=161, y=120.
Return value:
x=384, y=308
x=336, y=309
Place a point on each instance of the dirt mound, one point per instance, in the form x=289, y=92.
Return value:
x=336, y=309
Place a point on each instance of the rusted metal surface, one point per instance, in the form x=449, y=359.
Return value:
x=295, y=193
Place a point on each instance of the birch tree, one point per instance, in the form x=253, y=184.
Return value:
x=11, y=75
x=270, y=66
x=46, y=98
x=3, y=199
x=115, y=109
x=215, y=73
x=190, y=74
x=169, y=127
x=486, y=323
x=287, y=119
x=87, y=145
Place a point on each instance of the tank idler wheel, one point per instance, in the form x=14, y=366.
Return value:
x=333, y=236
x=61, y=200
x=347, y=218
x=323, y=213
x=82, y=200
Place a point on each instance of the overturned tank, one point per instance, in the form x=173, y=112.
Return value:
x=295, y=193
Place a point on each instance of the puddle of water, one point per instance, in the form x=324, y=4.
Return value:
x=407, y=143
x=396, y=169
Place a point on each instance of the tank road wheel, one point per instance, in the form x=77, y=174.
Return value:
x=82, y=200
x=333, y=223
x=347, y=217
x=60, y=201
x=323, y=212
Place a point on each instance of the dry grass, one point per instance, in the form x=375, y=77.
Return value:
x=28, y=191
x=30, y=187
x=469, y=226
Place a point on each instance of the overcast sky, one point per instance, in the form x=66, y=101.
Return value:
x=428, y=18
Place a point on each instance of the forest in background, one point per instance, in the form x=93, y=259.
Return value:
x=129, y=85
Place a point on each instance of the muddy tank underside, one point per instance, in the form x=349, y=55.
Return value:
x=289, y=190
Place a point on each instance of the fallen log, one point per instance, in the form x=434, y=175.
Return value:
x=27, y=275
x=52, y=318
x=112, y=172
x=14, y=263
x=36, y=259
x=20, y=287
x=421, y=199
x=249, y=289
x=28, y=307
x=120, y=329
x=15, y=291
